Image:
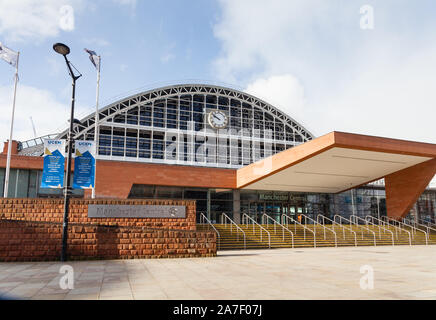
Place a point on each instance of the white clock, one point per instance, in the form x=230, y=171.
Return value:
x=218, y=119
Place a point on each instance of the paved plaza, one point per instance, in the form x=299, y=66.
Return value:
x=401, y=272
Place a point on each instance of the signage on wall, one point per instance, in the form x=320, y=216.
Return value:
x=136, y=211
x=84, y=165
x=54, y=164
x=274, y=197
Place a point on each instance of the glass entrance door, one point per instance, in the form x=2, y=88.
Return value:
x=257, y=209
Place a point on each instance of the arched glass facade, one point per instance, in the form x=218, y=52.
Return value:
x=170, y=125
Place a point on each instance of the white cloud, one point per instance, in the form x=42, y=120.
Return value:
x=379, y=82
x=282, y=91
x=47, y=113
x=36, y=19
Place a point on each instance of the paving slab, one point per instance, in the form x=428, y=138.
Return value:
x=400, y=272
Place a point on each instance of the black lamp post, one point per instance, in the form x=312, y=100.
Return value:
x=64, y=50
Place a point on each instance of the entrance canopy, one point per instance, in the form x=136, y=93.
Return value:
x=334, y=163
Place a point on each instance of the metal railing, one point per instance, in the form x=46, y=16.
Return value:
x=247, y=219
x=380, y=228
x=393, y=225
x=354, y=217
x=224, y=219
x=414, y=223
x=334, y=223
x=268, y=218
x=36, y=141
x=315, y=223
x=429, y=223
x=341, y=218
x=204, y=219
x=286, y=218
x=411, y=227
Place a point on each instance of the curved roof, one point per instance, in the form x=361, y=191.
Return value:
x=125, y=104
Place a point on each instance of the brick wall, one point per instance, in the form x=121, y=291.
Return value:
x=116, y=178
x=31, y=230
x=41, y=241
x=51, y=210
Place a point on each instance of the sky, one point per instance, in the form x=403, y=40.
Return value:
x=327, y=64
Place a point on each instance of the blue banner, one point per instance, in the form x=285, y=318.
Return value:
x=84, y=165
x=54, y=164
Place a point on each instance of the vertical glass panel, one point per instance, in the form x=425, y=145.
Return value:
x=33, y=184
x=132, y=116
x=12, y=182
x=2, y=181
x=158, y=145
x=22, y=184
x=118, y=142
x=120, y=118
x=172, y=107
x=145, y=115
x=159, y=113
x=144, y=144
x=223, y=103
x=211, y=102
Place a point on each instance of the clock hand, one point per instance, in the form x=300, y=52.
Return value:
x=214, y=115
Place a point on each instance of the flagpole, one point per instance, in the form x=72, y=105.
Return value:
x=96, y=126
x=8, y=162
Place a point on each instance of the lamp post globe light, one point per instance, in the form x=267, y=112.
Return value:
x=64, y=50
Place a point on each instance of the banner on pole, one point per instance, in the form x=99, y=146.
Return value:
x=84, y=165
x=54, y=164
x=8, y=55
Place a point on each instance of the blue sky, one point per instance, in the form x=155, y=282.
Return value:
x=310, y=58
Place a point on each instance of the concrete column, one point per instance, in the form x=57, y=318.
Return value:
x=237, y=206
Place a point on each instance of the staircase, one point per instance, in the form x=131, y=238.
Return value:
x=232, y=238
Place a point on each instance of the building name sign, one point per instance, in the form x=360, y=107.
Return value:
x=276, y=197
x=135, y=211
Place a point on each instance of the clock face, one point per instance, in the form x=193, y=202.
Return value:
x=218, y=119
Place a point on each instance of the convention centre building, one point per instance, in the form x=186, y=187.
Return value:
x=234, y=153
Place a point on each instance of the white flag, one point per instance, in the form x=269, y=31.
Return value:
x=8, y=55
x=95, y=59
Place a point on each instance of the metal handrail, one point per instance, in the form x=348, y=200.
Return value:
x=394, y=222
x=304, y=227
x=428, y=222
x=324, y=227
x=223, y=215
x=416, y=229
x=269, y=218
x=410, y=237
x=352, y=217
x=378, y=225
x=412, y=222
x=359, y=226
x=204, y=218
x=247, y=217
x=340, y=225
x=283, y=227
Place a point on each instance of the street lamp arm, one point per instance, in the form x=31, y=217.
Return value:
x=71, y=70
